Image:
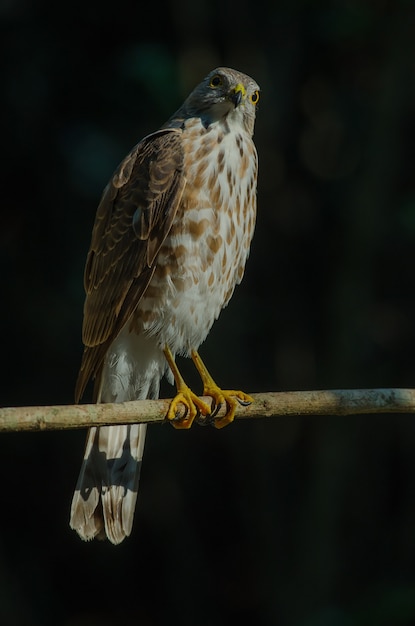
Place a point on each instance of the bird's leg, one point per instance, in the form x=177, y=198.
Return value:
x=185, y=396
x=218, y=395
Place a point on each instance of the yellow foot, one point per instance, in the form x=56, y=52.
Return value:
x=193, y=405
x=218, y=395
x=228, y=397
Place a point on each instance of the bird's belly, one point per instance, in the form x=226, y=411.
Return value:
x=186, y=295
x=194, y=279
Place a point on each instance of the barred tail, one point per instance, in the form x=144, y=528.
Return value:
x=105, y=496
x=104, y=501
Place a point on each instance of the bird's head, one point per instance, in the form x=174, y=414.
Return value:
x=225, y=93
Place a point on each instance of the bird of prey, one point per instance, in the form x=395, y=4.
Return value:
x=171, y=237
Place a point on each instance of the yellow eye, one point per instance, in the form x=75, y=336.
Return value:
x=215, y=81
x=255, y=97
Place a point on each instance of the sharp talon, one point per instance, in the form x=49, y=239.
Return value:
x=244, y=402
x=215, y=409
x=207, y=420
x=203, y=420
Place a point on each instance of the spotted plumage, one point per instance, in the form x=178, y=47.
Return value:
x=170, y=242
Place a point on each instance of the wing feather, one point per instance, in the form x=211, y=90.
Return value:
x=133, y=219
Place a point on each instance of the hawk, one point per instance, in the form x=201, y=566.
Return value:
x=169, y=244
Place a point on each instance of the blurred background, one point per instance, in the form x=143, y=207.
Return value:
x=291, y=521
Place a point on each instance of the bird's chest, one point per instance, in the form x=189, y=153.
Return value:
x=204, y=255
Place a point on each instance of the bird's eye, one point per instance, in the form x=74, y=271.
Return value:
x=254, y=98
x=215, y=81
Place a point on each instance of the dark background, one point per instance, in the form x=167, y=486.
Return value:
x=295, y=521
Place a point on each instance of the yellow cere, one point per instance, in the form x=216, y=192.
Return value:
x=241, y=88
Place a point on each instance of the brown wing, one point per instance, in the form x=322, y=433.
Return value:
x=132, y=221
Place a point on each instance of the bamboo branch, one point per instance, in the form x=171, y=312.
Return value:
x=273, y=404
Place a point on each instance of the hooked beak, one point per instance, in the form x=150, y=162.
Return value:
x=238, y=95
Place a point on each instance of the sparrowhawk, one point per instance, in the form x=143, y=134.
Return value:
x=169, y=244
